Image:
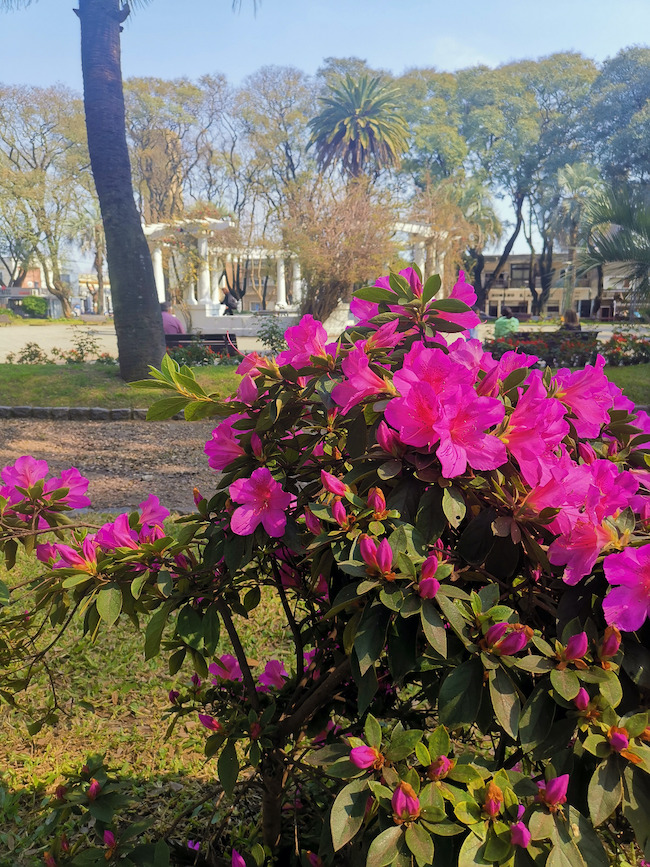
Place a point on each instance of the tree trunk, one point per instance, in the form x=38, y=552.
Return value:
x=490, y=278
x=138, y=321
x=477, y=276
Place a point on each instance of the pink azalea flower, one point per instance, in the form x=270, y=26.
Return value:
x=520, y=835
x=497, y=372
x=152, y=513
x=439, y=768
x=253, y=364
x=263, y=502
x=610, y=644
x=247, y=390
x=312, y=523
x=76, y=484
x=505, y=639
x=579, y=549
x=83, y=560
x=576, y=647
x=581, y=701
x=94, y=789
x=226, y=668
x=274, y=675
x=117, y=534
x=586, y=393
x=109, y=839
x=618, y=738
x=378, y=557
x=361, y=382
x=428, y=588
x=462, y=291
x=307, y=338
x=224, y=446
x=389, y=440
x=24, y=473
x=627, y=605
x=385, y=337
x=535, y=430
x=463, y=437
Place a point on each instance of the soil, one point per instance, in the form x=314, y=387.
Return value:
x=125, y=461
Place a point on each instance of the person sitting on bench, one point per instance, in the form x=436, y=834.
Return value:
x=570, y=321
x=505, y=324
x=171, y=324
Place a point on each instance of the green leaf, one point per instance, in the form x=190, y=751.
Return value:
x=431, y=287
x=375, y=294
x=211, y=630
x=372, y=731
x=449, y=305
x=423, y=755
x=453, y=505
x=471, y=853
x=4, y=594
x=154, y=631
x=434, y=628
x=109, y=603
x=371, y=635
x=477, y=539
x=505, y=701
x=565, y=683
x=165, y=583
x=402, y=744
x=460, y=695
x=228, y=768
x=611, y=689
x=420, y=844
x=189, y=627
x=348, y=811
x=439, y=742
x=636, y=805
x=536, y=718
x=166, y=407
x=605, y=790
x=383, y=848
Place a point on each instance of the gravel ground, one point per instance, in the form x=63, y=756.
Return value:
x=125, y=461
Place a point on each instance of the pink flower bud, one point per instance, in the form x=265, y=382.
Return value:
x=618, y=739
x=576, y=647
x=406, y=806
x=581, y=701
x=520, y=835
x=340, y=515
x=553, y=792
x=49, y=860
x=493, y=800
x=439, y=768
x=174, y=695
x=428, y=587
x=255, y=731
x=368, y=550
x=430, y=566
x=366, y=757
x=314, y=860
x=377, y=502
x=65, y=845
x=60, y=792
x=237, y=860
x=495, y=633
x=512, y=643
x=332, y=484
x=210, y=723
x=196, y=681
x=256, y=445
x=94, y=789
x=388, y=440
x=196, y=494
x=587, y=453
x=312, y=523
x=611, y=643
x=384, y=557
x=109, y=839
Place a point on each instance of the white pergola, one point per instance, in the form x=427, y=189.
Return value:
x=208, y=289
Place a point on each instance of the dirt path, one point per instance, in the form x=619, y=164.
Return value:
x=125, y=461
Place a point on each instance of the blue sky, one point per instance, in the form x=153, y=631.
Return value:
x=172, y=38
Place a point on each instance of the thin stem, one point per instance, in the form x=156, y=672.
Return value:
x=295, y=631
x=289, y=725
x=247, y=676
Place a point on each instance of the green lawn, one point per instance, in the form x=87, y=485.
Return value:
x=113, y=702
x=92, y=385
x=634, y=380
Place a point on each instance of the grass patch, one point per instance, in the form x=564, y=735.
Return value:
x=92, y=385
x=112, y=703
x=634, y=380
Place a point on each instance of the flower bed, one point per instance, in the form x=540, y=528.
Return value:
x=557, y=349
x=460, y=547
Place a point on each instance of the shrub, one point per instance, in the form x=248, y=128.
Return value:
x=35, y=307
x=271, y=333
x=460, y=547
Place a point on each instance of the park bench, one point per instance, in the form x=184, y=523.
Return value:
x=222, y=344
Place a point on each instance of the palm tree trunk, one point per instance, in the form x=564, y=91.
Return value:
x=138, y=322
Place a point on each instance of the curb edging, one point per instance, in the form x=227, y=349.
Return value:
x=74, y=413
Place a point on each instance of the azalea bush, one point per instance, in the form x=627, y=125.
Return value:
x=460, y=548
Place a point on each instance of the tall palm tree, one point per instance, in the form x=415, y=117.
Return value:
x=360, y=127
x=618, y=222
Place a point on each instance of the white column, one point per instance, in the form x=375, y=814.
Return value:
x=419, y=256
x=296, y=283
x=214, y=280
x=203, y=270
x=281, y=286
x=190, y=297
x=158, y=273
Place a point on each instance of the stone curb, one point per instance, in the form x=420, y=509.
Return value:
x=76, y=413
